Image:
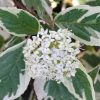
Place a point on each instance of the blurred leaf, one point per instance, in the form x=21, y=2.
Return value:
x=57, y=0
x=18, y=22
x=92, y=59
x=89, y=48
x=94, y=73
x=84, y=21
x=94, y=3
x=83, y=1
x=5, y=3
x=13, y=41
x=42, y=8
x=1, y=41
x=97, y=86
x=20, y=98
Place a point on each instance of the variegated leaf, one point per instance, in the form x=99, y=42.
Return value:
x=43, y=9
x=94, y=73
x=18, y=22
x=84, y=21
x=13, y=77
x=83, y=85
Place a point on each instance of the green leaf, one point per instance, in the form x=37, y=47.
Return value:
x=1, y=41
x=94, y=3
x=18, y=22
x=20, y=98
x=94, y=73
x=83, y=85
x=13, y=41
x=84, y=21
x=90, y=63
x=58, y=91
x=97, y=86
x=42, y=8
x=84, y=1
x=13, y=80
x=79, y=87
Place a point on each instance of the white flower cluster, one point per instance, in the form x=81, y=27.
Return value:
x=51, y=55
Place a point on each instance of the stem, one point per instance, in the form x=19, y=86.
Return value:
x=34, y=94
x=63, y=5
x=20, y=5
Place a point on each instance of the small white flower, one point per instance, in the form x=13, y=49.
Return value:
x=51, y=55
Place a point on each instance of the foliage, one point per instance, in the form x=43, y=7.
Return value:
x=23, y=23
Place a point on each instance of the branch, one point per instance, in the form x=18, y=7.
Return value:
x=20, y=5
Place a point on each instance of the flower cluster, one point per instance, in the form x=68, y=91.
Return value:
x=51, y=55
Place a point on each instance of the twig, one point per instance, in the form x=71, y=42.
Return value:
x=20, y=5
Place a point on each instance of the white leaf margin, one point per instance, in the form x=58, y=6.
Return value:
x=98, y=93
x=45, y=5
x=91, y=10
x=15, y=11
x=24, y=78
x=69, y=85
x=39, y=84
x=24, y=82
x=90, y=81
x=6, y=3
